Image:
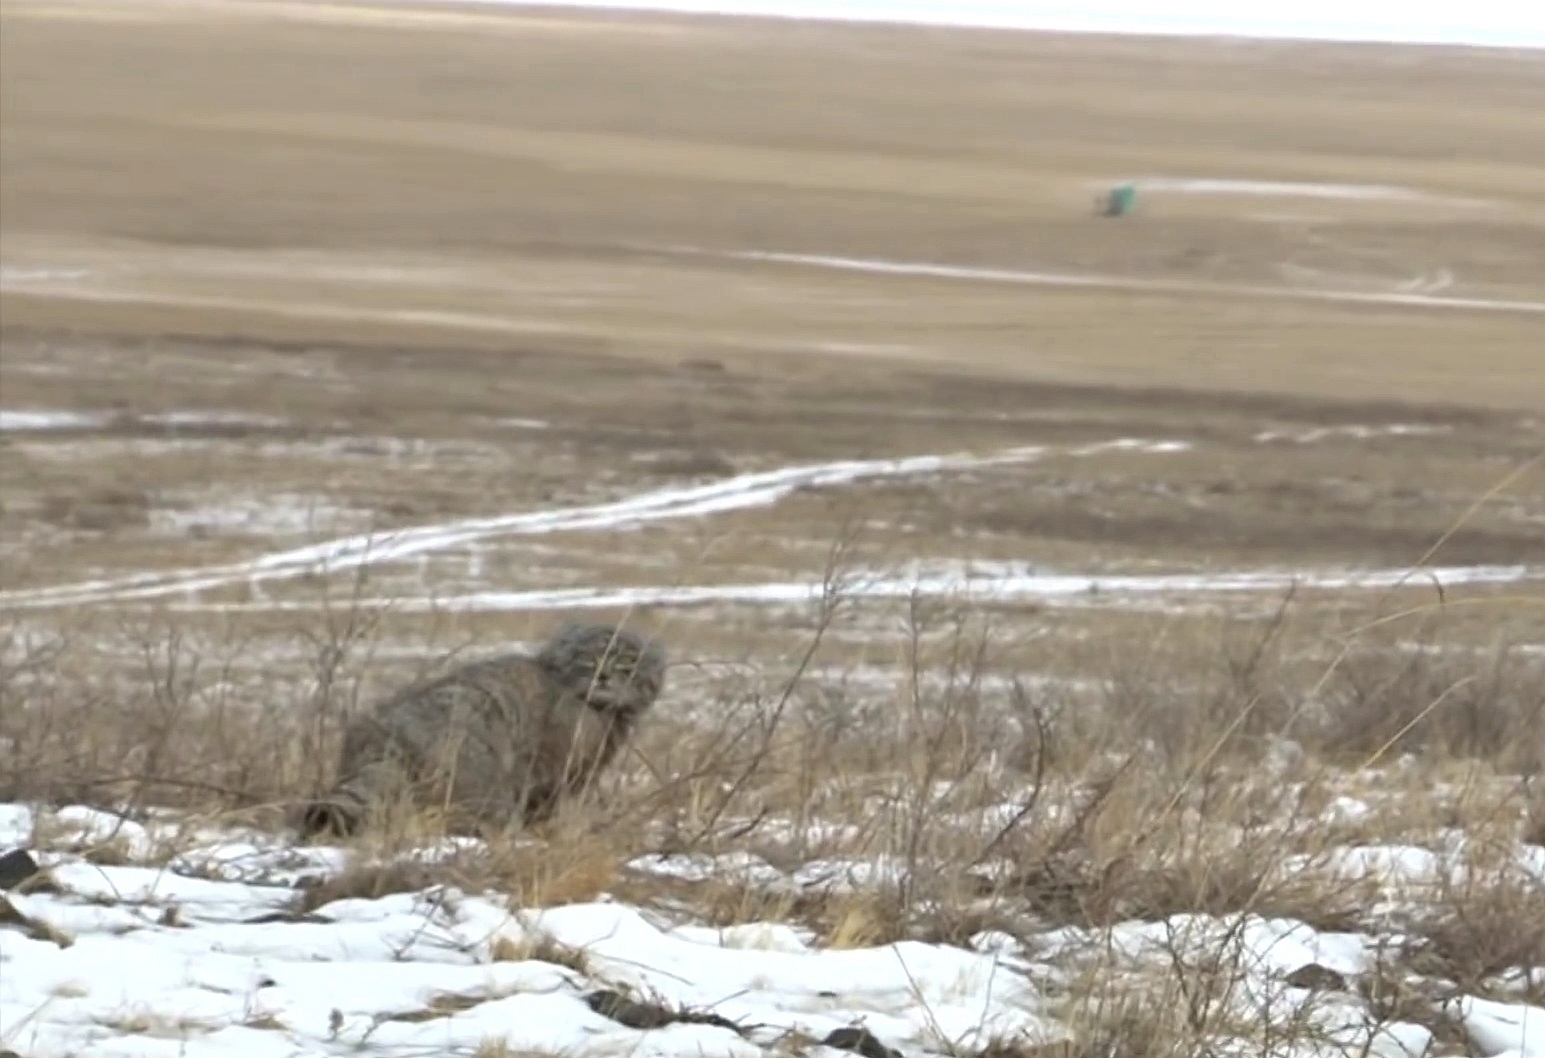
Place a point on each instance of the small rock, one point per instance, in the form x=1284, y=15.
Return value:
x=625, y=1011
x=636, y=1015
x=268, y=918
x=860, y=1041
x=16, y=867
x=1317, y=978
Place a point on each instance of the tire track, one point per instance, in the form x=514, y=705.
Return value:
x=927, y=270
x=344, y=554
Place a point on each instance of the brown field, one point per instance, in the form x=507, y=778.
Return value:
x=317, y=270
x=415, y=223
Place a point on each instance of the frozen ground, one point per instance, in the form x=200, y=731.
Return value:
x=191, y=944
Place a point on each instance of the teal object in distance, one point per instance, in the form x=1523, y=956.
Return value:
x=1121, y=201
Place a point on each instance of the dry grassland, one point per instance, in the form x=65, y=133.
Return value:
x=436, y=265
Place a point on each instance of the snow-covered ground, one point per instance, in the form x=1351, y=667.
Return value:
x=203, y=952
x=203, y=958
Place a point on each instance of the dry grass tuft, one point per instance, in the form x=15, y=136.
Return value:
x=540, y=947
x=441, y=1005
x=1385, y=703
x=100, y=510
x=1487, y=923
x=529, y=871
x=34, y=929
x=500, y=1047
x=369, y=883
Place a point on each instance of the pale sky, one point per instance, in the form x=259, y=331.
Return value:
x=1516, y=23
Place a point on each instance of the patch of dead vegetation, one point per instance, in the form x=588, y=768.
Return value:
x=548, y=868
x=97, y=511
x=960, y=798
x=1218, y=771
x=34, y=929
x=1483, y=932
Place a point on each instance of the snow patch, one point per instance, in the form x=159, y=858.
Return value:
x=19, y=420
x=217, y=968
x=18, y=275
x=1506, y=1030
x=1277, y=188
x=15, y=825
x=982, y=583
x=1354, y=431
x=214, y=418
x=26, y=420
x=281, y=514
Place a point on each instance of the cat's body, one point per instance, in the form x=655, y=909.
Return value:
x=499, y=740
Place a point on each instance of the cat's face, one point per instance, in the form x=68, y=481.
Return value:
x=615, y=670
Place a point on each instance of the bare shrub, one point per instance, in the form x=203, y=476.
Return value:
x=1487, y=920
x=171, y=715
x=1425, y=700
x=1196, y=695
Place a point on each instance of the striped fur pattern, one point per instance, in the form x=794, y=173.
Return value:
x=500, y=740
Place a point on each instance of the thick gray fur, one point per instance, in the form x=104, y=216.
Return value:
x=500, y=740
